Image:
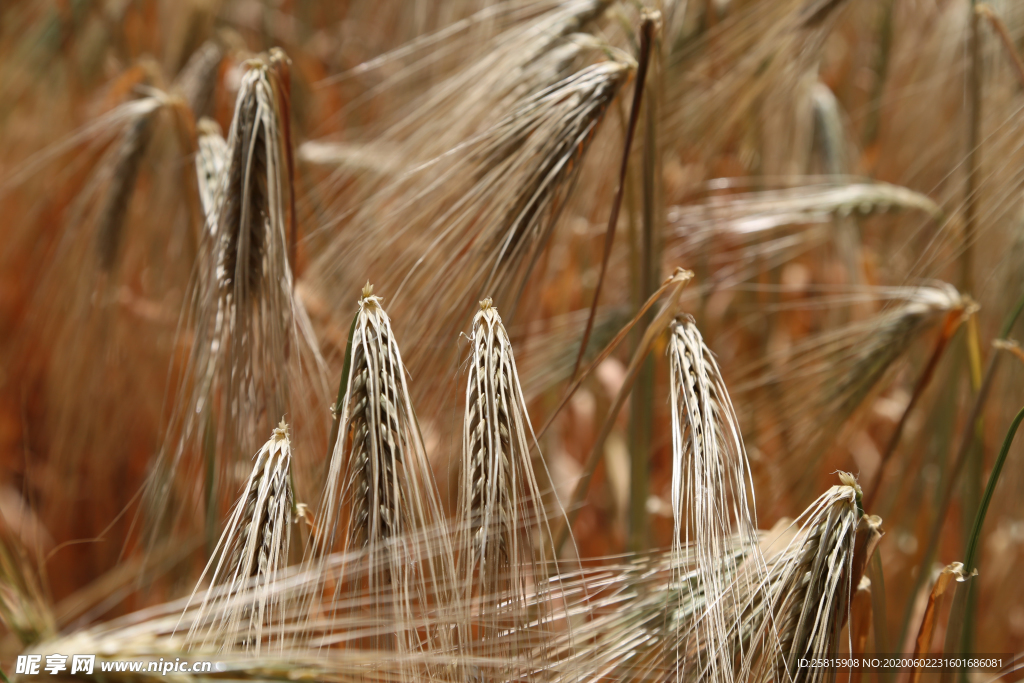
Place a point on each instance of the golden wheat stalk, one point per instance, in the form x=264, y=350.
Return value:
x=646, y=617
x=25, y=609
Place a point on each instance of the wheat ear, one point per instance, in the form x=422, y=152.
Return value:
x=710, y=478
x=379, y=491
x=505, y=540
x=250, y=552
x=798, y=611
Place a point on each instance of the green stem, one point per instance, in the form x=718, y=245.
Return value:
x=972, y=474
x=959, y=629
x=642, y=405
x=969, y=437
x=986, y=499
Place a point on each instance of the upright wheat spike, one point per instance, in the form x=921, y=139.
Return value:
x=252, y=216
x=379, y=487
x=710, y=477
x=252, y=337
x=253, y=276
x=250, y=552
x=505, y=541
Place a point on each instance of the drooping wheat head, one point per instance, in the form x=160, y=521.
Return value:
x=742, y=235
x=475, y=219
x=100, y=299
x=828, y=377
x=799, y=610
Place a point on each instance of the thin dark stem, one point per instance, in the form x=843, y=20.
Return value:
x=959, y=631
x=646, y=34
x=979, y=520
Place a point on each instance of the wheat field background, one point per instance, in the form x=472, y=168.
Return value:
x=511, y=340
